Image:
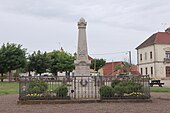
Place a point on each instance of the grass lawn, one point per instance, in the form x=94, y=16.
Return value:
x=159, y=89
x=8, y=88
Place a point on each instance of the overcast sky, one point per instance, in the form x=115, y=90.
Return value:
x=114, y=26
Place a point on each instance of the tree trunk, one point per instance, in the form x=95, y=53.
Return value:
x=29, y=74
x=2, y=75
x=10, y=76
x=56, y=74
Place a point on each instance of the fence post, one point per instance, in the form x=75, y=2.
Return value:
x=74, y=87
x=95, y=87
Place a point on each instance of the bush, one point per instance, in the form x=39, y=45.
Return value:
x=127, y=87
x=61, y=91
x=37, y=86
x=106, y=91
x=133, y=87
x=115, y=82
x=120, y=89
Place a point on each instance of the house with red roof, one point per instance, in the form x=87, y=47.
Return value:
x=153, y=55
x=134, y=70
x=109, y=69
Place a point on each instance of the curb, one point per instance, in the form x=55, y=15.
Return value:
x=29, y=102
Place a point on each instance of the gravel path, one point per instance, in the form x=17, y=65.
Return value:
x=160, y=104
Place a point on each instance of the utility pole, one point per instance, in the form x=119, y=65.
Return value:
x=130, y=61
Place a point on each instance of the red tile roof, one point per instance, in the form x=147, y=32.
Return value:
x=110, y=68
x=157, y=38
x=134, y=70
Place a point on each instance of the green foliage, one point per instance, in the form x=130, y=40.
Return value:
x=125, y=66
x=38, y=62
x=134, y=87
x=120, y=88
x=61, y=91
x=115, y=82
x=61, y=62
x=106, y=91
x=37, y=86
x=127, y=87
x=12, y=57
x=96, y=64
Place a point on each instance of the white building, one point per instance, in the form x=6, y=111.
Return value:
x=153, y=55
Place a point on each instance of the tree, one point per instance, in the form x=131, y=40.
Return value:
x=38, y=62
x=29, y=65
x=12, y=57
x=96, y=64
x=69, y=63
x=61, y=61
x=3, y=66
x=125, y=66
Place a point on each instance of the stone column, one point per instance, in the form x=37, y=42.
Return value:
x=82, y=64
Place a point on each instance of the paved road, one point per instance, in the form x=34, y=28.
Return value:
x=160, y=104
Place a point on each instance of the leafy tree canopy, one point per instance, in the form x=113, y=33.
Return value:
x=61, y=61
x=12, y=57
x=96, y=64
x=38, y=62
x=125, y=66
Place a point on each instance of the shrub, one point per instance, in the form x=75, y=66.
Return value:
x=127, y=87
x=61, y=91
x=120, y=89
x=133, y=87
x=115, y=82
x=106, y=91
x=37, y=86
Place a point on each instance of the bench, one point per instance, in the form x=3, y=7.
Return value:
x=156, y=82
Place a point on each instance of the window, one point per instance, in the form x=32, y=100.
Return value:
x=140, y=56
x=151, y=70
x=167, y=54
x=141, y=71
x=167, y=71
x=145, y=55
x=151, y=55
x=146, y=70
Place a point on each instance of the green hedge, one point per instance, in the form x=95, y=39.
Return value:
x=106, y=91
x=61, y=91
x=120, y=88
x=115, y=82
x=37, y=86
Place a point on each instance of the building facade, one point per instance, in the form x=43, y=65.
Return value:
x=153, y=55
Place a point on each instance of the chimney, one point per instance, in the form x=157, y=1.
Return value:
x=168, y=30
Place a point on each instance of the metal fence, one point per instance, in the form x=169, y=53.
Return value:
x=83, y=87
